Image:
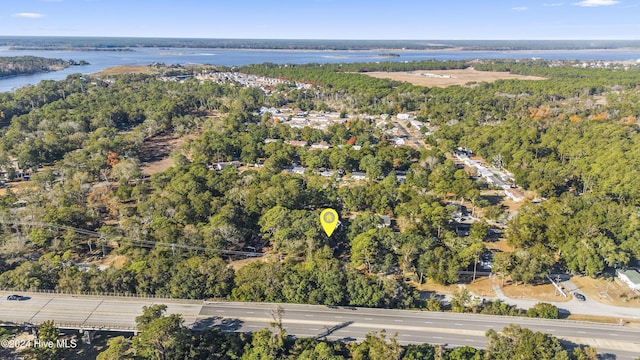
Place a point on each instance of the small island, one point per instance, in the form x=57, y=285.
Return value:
x=389, y=55
x=26, y=65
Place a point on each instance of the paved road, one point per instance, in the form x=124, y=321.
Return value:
x=337, y=323
x=574, y=306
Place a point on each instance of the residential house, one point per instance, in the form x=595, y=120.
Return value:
x=297, y=143
x=320, y=146
x=404, y=117
x=386, y=221
x=219, y=166
x=358, y=175
x=514, y=194
x=298, y=170
x=631, y=277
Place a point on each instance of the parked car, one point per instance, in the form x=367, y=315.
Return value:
x=579, y=296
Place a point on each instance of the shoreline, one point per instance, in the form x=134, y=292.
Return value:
x=461, y=49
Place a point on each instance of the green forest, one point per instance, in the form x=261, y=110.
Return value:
x=25, y=65
x=76, y=149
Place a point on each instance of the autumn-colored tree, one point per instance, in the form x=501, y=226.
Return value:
x=601, y=116
x=112, y=159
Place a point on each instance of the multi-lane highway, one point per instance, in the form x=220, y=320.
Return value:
x=337, y=323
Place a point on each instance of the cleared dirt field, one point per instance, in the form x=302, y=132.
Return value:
x=446, y=78
x=546, y=292
x=609, y=292
x=157, y=150
x=126, y=69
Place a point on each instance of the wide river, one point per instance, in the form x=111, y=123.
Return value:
x=100, y=60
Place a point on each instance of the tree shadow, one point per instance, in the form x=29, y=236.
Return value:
x=571, y=346
x=224, y=324
x=493, y=199
x=347, y=339
x=430, y=294
x=607, y=357
x=331, y=330
x=563, y=313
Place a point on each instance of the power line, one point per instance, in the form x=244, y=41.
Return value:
x=141, y=243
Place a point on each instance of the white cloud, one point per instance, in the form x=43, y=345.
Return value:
x=594, y=3
x=520, y=8
x=28, y=15
x=554, y=4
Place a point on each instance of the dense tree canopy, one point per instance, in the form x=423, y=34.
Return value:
x=572, y=139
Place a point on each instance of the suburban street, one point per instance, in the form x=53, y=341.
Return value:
x=336, y=323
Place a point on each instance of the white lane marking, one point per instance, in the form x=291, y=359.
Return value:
x=398, y=320
x=428, y=322
x=368, y=318
x=308, y=315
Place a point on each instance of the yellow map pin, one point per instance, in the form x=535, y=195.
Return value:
x=329, y=220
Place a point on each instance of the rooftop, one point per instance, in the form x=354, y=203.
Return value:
x=632, y=274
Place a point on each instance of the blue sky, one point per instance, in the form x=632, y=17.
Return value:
x=325, y=19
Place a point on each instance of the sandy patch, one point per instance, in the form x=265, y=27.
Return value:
x=446, y=78
x=607, y=292
x=238, y=264
x=482, y=286
x=126, y=69
x=500, y=245
x=156, y=152
x=18, y=187
x=431, y=286
x=117, y=261
x=547, y=292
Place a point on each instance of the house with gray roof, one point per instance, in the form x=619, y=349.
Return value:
x=631, y=277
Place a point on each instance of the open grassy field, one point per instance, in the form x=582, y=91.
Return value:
x=126, y=69
x=446, y=78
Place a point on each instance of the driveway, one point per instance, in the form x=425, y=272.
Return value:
x=574, y=306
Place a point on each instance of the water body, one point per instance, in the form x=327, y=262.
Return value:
x=101, y=60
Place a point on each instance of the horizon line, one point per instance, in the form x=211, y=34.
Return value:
x=300, y=39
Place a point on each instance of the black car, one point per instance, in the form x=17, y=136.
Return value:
x=579, y=296
x=17, y=297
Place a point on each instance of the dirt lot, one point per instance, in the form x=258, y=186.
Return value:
x=119, y=70
x=431, y=286
x=17, y=187
x=238, y=264
x=499, y=245
x=609, y=292
x=156, y=152
x=546, y=292
x=484, y=287
x=446, y=78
